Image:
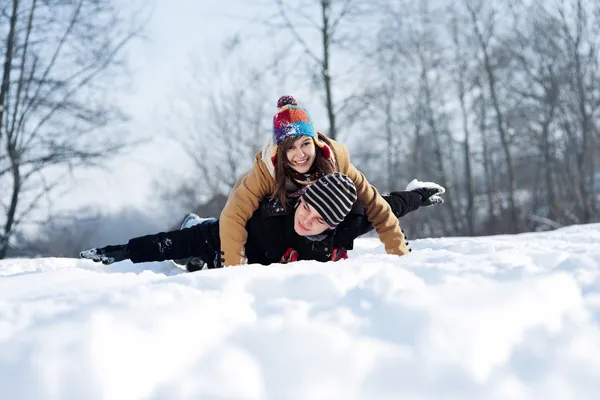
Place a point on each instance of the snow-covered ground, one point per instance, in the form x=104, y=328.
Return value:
x=504, y=317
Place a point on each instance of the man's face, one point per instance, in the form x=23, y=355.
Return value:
x=307, y=221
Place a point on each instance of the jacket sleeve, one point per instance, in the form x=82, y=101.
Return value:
x=378, y=210
x=197, y=241
x=357, y=224
x=243, y=201
x=403, y=202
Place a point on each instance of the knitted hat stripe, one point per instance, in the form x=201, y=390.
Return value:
x=332, y=196
x=295, y=129
x=350, y=194
x=343, y=186
x=337, y=178
x=324, y=192
x=344, y=198
x=332, y=217
x=289, y=115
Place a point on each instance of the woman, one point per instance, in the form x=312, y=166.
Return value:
x=297, y=156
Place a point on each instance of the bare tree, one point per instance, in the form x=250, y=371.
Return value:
x=484, y=29
x=59, y=57
x=334, y=26
x=409, y=104
x=462, y=59
x=388, y=106
x=555, y=54
x=523, y=74
x=490, y=182
x=582, y=44
x=534, y=47
x=221, y=120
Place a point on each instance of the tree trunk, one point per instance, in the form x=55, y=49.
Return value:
x=4, y=89
x=500, y=125
x=14, y=200
x=437, y=145
x=10, y=44
x=461, y=65
x=487, y=157
x=326, y=72
x=389, y=135
x=470, y=209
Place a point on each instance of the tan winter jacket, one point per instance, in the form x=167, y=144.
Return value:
x=259, y=183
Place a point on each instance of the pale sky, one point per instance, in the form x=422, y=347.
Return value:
x=178, y=31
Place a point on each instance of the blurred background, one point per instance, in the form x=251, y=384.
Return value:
x=120, y=116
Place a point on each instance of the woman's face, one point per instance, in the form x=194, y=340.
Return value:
x=302, y=154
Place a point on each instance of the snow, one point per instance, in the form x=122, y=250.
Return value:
x=501, y=317
x=416, y=184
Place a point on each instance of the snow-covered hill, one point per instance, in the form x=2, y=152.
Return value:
x=503, y=317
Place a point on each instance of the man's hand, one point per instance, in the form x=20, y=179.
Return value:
x=429, y=191
x=106, y=255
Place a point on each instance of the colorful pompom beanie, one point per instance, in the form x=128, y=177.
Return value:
x=292, y=121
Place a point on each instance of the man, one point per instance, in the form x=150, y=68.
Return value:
x=325, y=222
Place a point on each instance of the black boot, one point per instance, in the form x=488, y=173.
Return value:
x=192, y=264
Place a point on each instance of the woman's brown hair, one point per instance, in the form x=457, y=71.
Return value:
x=321, y=166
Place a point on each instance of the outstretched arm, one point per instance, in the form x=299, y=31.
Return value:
x=418, y=194
x=358, y=224
x=406, y=201
x=197, y=241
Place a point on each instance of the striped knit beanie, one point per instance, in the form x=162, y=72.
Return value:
x=332, y=196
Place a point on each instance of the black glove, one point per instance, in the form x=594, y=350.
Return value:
x=428, y=191
x=107, y=255
x=429, y=196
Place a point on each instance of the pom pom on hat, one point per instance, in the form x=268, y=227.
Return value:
x=286, y=100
